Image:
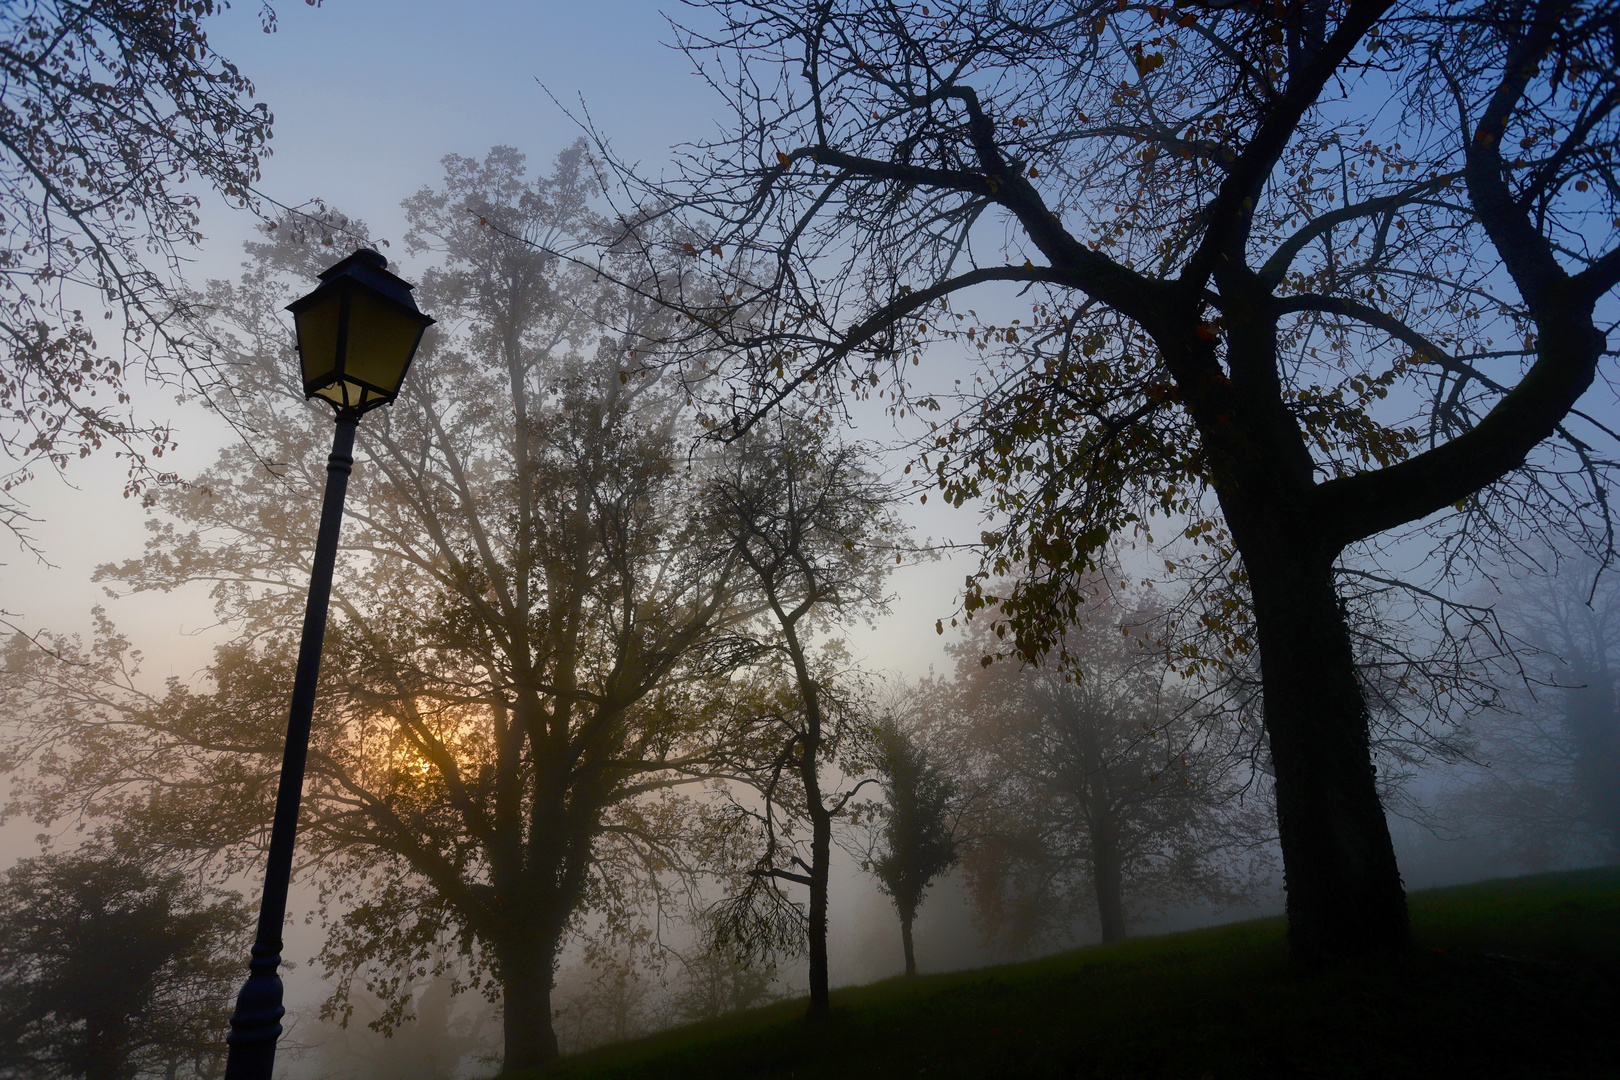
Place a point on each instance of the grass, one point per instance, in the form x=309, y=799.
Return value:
x=1510, y=978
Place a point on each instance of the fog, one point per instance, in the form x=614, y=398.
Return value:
x=1512, y=766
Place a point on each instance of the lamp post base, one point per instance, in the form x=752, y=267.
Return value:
x=256, y=1024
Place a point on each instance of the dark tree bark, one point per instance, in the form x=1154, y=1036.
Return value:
x=816, y=921
x=526, y=973
x=906, y=918
x=1108, y=879
x=1343, y=885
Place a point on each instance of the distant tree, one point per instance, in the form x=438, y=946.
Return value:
x=1107, y=789
x=112, y=968
x=920, y=833
x=816, y=531
x=113, y=115
x=1302, y=275
x=527, y=590
x=716, y=980
x=1548, y=789
x=607, y=999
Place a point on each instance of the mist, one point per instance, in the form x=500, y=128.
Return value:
x=792, y=571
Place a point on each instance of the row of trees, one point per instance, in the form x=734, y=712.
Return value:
x=552, y=622
x=574, y=667
x=1290, y=326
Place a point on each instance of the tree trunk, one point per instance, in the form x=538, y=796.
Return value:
x=1345, y=897
x=820, y=854
x=105, y=1047
x=526, y=976
x=905, y=939
x=1107, y=878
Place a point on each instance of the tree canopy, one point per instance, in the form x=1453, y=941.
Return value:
x=527, y=592
x=1112, y=789
x=111, y=966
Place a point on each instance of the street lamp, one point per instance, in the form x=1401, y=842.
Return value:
x=357, y=333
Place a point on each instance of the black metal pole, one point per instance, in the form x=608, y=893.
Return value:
x=256, y=1023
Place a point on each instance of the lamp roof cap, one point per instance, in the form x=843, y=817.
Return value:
x=368, y=267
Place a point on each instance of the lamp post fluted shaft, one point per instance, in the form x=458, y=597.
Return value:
x=256, y=1023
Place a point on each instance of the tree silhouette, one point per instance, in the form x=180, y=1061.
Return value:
x=919, y=836
x=1109, y=788
x=1548, y=786
x=526, y=595
x=111, y=968
x=112, y=113
x=1296, y=276
x=815, y=531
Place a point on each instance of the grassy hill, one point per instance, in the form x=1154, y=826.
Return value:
x=1516, y=977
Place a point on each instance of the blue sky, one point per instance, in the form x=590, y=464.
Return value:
x=368, y=95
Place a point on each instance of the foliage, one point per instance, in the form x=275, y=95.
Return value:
x=112, y=967
x=813, y=528
x=526, y=606
x=920, y=837
x=112, y=111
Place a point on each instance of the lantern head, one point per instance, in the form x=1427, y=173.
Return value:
x=357, y=333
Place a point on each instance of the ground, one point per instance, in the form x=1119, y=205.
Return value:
x=1510, y=978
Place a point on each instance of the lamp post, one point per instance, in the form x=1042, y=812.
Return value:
x=357, y=333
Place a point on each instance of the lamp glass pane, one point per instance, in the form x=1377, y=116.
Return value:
x=317, y=336
x=381, y=340
x=342, y=392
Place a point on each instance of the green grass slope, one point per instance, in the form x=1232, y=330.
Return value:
x=1511, y=978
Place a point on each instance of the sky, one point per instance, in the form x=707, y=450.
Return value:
x=368, y=96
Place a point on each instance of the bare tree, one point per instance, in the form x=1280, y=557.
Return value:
x=1301, y=275
x=1111, y=790
x=111, y=112
x=1547, y=789
x=717, y=979
x=815, y=530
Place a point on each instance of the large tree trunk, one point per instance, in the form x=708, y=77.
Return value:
x=1344, y=889
x=105, y=1048
x=1107, y=878
x=905, y=939
x=526, y=977
x=820, y=854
